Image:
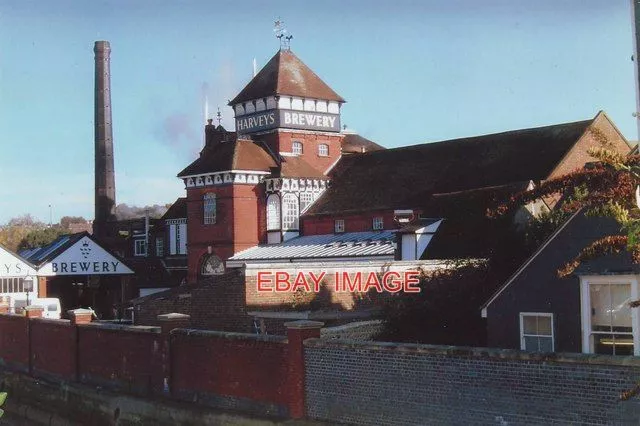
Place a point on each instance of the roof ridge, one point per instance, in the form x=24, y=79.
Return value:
x=469, y=138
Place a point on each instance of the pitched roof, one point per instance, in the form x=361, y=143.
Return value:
x=285, y=74
x=178, y=210
x=354, y=143
x=240, y=154
x=349, y=244
x=295, y=166
x=388, y=178
x=40, y=255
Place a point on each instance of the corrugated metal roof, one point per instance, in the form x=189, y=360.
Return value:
x=351, y=244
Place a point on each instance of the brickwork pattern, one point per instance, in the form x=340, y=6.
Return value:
x=14, y=342
x=394, y=384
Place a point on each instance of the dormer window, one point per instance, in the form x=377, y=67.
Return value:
x=323, y=150
x=296, y=147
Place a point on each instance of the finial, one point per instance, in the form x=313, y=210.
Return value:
x=219, y=115
x=281, y=34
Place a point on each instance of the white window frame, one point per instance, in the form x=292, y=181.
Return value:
x=297, y=148
x=323, y=150
x=139, y=247
x=306, y=199
x=585, y=307
x=378, y=223
x=273, y=213
x=338, y=226
x=209, y=206
x=537, y=314
x=290, y=212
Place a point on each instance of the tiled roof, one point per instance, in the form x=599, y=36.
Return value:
x=298, y=167
x=240, y=154
x=350, y=244
x=388, y=179
x=178, y=210
x=354, y=143
x=285, y=74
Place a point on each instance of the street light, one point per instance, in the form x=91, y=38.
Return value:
x=28, y=286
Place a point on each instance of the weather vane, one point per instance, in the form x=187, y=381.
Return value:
x=219, y=116
x=282, y=34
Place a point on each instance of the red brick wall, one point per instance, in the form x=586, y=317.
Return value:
x=123, y=359
x=14, y=341
x=226, y=365
x=53, y=348
x=578, y=156
x=317, y=225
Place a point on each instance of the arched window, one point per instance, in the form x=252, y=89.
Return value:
x=306, y=198
x=323, y=150
x=209, y=202
x=291, y=212
x=296, y=147
x=273, y=212
x=212, y=265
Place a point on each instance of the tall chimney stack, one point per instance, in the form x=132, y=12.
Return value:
x=105, y=189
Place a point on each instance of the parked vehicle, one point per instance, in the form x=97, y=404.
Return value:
x=50, y=305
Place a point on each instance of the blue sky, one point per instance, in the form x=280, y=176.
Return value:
x=411, y=72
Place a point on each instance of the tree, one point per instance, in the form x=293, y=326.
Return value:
x=12, y=234
x=41, y=237
x=65, y=221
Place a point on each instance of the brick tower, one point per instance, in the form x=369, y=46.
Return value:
x=250, y=186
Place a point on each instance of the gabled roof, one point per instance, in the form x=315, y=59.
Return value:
x=240, y=154
x=178, y=210
x=349, y=244
x=285, y=74
x=388, y=179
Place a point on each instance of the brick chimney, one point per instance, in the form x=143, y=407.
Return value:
x=105, y=187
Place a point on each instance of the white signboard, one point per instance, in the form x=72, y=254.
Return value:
x=12, y=265
x=85, y=257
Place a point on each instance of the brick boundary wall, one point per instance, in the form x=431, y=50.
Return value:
x=368, y=383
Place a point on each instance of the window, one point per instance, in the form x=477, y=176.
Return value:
x=273, y=212
x=159, y=247
x=140, y=248
x=338, y=225
x=378, y=223
x=209, y=202
x=323, y=150
x=536, y=332
x=611, y=319
x=306, y=198
x=212, y=265
x=296, y=148
x=12, y=285
x=609, y=325
x=291, y=212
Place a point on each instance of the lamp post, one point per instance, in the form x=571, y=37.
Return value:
x=28, y=286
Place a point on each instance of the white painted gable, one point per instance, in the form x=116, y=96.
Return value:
x=85, y=257
x=12, y=265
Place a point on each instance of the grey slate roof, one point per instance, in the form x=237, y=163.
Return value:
x=349, y=244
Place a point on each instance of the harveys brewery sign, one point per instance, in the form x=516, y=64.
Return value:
x=304, y=120
x=11, y=265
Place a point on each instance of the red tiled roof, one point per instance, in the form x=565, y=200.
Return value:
x=240, y=154
x=297, y=167
x=285, y=74
x=390, y=179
